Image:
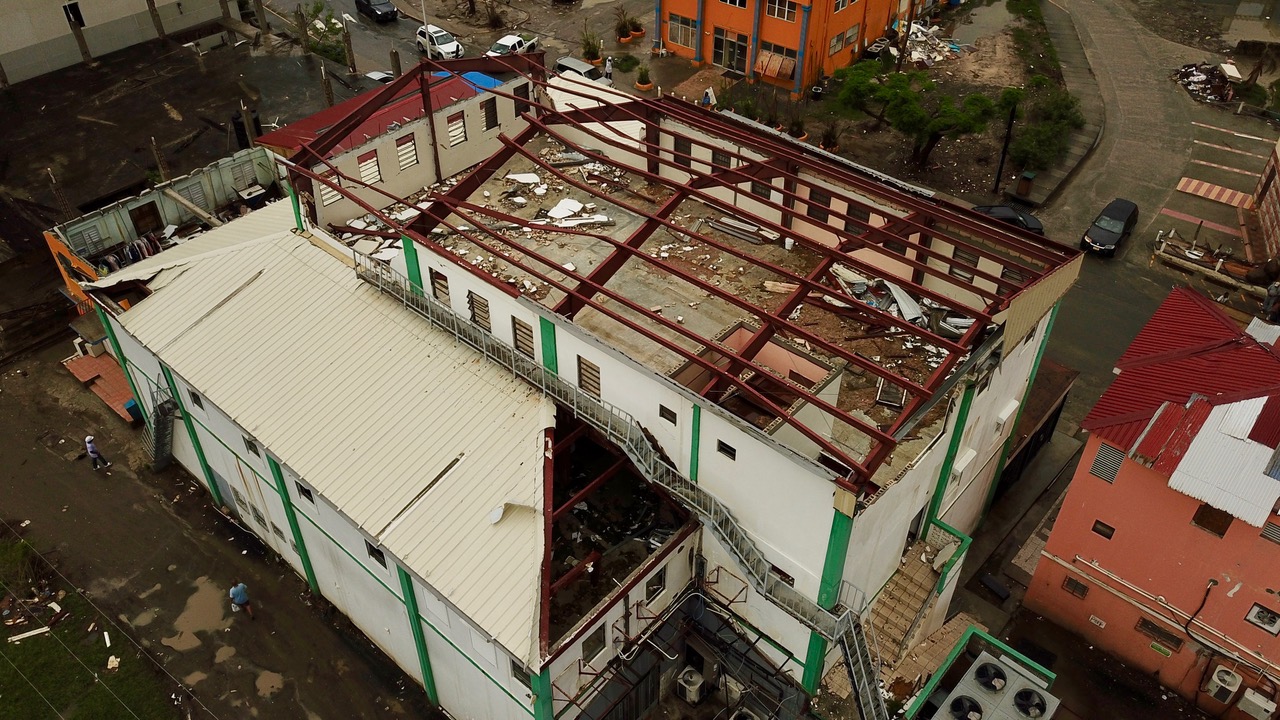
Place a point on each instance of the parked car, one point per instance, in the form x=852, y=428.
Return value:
x=575, y=66
x=512, y=44
x=1110, y=228
x=438, y=43
x=378, y=10
x=1012, y=216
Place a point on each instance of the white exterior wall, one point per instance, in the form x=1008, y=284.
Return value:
x=36, y=37
x=473, y=675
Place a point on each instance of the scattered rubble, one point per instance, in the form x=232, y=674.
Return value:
x=925, y=46
x=1208, y=82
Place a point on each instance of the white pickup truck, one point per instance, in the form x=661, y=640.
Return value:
x=513, y=44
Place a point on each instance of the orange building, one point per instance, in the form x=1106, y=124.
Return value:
x=790, y=43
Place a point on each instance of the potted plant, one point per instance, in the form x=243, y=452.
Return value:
x=643, y=82
x=770, y=116
x=747, y=108
x=622, y=29
x=637, y=30
x=590, y=46
x=831, y=132
x=796, y=128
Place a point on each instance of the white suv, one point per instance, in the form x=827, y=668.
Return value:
x=438, y=44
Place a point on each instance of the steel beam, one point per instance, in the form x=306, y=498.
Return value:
x=591, y=487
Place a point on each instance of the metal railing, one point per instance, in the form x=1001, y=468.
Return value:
x=622, y=430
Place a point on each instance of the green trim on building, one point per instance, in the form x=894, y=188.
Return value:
x=297, y=206
x=191, y=433
x=695, y=444
x=541, y=686
x=814, y=659
x=412, y=268
x=833, y=565
x=550, y=360
x=965, y=542
x=289, y=514
x=121, y=359
x=419, y=641
x=1008, y=442
x=953, y=447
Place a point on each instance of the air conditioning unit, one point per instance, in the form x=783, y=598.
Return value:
x=962, y=463
x=1027, y=699
x=1256, y=705
x=732, y=690
x=1006, y=414
x=743, y=714
x=689, y=686
x=979, y=692
x=1223, y=684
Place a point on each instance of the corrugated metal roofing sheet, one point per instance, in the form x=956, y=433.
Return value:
x=1263, y=331
x=1227, y=472
x=279, y=334
x=1266, y=428
x=1185, y=349
x=1175, y=447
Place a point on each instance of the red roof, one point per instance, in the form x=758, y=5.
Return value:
x=403, y=109
x=1189, y=346
x=1177, y=442
x=1266, y=429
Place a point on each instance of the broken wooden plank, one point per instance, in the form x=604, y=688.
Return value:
x=25, y=635
x=780, y=287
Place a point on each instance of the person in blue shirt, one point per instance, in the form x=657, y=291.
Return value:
x=240, y=598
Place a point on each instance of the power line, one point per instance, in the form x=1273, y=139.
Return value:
x=107, y=618
x=33, y=685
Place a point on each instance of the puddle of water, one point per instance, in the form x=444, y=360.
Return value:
x=144, y=618
x=269, y=683
x=223, y=654
x=193, y=678
x=205, y=611
x=152, y=591
x=983, y=22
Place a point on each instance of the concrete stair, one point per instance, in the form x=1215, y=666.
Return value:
x=894, y=612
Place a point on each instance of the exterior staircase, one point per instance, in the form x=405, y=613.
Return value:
x=863, y=667
x=899, y=607
x=629, y=436
x=159, y=436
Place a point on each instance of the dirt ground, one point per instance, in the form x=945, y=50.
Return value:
x=1189, y=22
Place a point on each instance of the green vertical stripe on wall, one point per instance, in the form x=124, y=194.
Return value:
x=297, y=206
x=195, y=438
x=412, y=268
x=1022, y=405
x=953, y=447
x=541, y=686
x=419, y=640
x=696, y=443
x=287, y=501
x=833, y=566
x=549, y=358
x=814, y=659
x=120, y=358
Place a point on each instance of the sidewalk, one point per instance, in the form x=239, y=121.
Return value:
x=159, y=559
x=1082, y=84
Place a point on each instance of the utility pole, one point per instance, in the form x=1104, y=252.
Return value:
x=160, y=163
x=351, y=54
x=1004, y=149
x=395, y=62
x=247, y=119
x=327, y=84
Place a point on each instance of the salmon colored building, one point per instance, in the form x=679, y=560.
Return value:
x=789, y=43
x=1166, y=548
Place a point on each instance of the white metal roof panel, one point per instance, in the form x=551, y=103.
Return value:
x=1263, y=331
x=1228, y=472
x=279, y=334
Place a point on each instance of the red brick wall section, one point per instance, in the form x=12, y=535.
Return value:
x=1267, y=203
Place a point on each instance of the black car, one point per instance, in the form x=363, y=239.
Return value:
x=1012, y=216
x=378, y=10
x=1111, y=227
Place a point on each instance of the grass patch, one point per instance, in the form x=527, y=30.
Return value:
x=1052, y=115
x=40, y=674
x=1031, y=38
x=626, y=63
x=1253, y=94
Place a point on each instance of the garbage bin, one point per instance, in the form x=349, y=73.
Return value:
x=815, y=93
x=1025, y=181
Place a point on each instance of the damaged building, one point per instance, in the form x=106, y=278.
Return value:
x=580, y=404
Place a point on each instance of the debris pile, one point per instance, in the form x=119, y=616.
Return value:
x=33, y=613
x=925, y=46
x=1205, y=82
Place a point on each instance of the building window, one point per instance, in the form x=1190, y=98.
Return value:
x=1103, y=529
x=818, y=203
x=304, y=492
x=72, y=11
x=837, y=44
x=1156, y=632
x=683, y=148
x=726, y=450
x=729, y=49
x=276, y=529
x=406, y=151
x=1075, y=587
x=489, y=108
x=720, y=158
x=1106, y=463
x=766, y=46
x=840, y=5
x=857, y=220
x=1212, y=519
x=682, y=31
x=1271, y=531
x=457, y=129
x=369, y=172
x=239, y=498
x=1264, y=618
x=781, y=9
x=783, y=576
x=593, y=644
x=196, y=399
x=762, y=189
x=479, y=310
x=439, y=286
x=522, y=337
x=656, y=584
x=375, y=553
x=518, y=673
x=251, y=446
x=257, y=515
x=522, y=93
x=328, y=194
x=589, y=377
x=735, y=3
x=964, y=257
x=667, y=414
x=851, y=35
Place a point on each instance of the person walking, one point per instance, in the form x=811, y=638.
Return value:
x=1271, y=306
x=608, y=68
x=95, y=455
x=240, y=598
